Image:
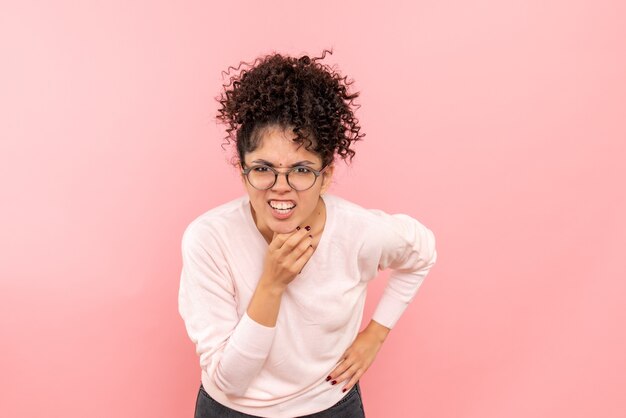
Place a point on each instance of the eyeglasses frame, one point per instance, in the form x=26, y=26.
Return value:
x=286, y=174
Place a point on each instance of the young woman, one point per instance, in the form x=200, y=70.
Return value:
x=273, y=283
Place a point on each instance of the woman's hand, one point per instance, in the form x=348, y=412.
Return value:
x=359, y=356
x=286, y=256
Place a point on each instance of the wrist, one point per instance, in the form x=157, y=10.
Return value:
x=377, y=330
x=271, y=286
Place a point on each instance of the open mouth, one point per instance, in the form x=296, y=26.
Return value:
x=282, y=207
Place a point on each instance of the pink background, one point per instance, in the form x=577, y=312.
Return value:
x=500, y=125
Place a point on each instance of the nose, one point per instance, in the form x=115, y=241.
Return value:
x=281, y=183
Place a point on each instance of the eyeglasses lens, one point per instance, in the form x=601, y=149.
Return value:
x=299, y=178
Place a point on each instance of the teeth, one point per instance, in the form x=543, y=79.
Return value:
x=282, y=205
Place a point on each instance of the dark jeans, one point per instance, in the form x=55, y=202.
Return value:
x=350, y=406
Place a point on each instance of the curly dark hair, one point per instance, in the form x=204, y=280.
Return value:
x=290, y=92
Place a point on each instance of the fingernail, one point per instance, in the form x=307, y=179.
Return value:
x=328, y=378
x=334, y=382
x=297, y=228
x=311, y=236
x=344, y=389
x=308, y=228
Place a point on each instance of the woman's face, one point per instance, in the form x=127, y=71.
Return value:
x=278, y=150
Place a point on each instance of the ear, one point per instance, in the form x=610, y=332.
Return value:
x=327, y=177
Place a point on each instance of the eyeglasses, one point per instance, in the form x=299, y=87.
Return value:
x=299, y=178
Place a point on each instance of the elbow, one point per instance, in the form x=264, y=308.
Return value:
x=231, y=387
x=230, y=390
x=433, y=258
x=432, y=248
x=233, y=372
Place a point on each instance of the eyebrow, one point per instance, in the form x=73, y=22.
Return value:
x=304, y=162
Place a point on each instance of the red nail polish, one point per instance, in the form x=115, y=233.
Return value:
x=297, y=228
x=308, y=228
x=334, y=382
x=328, y=378
x=344, y=389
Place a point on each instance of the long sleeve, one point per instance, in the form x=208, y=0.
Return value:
x=232, y=350
x=408, y=248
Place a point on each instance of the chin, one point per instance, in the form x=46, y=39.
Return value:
x=283, y=227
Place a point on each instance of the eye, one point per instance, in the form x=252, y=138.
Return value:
x=261, y=168
x=302, y=170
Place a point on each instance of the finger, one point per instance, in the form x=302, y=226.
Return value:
x=300, y=249
x=339, y=370
x=278, y=240
x=348, y=373
x=293, y=240
x=352, y=381
x=299, y=264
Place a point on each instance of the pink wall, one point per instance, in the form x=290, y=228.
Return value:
x=500, y=125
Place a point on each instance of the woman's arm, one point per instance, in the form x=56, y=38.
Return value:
x=286, y=256
x=265, y=303
x=233, y=351
x=409, y=250
x=405, y=245
x=378, y=330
